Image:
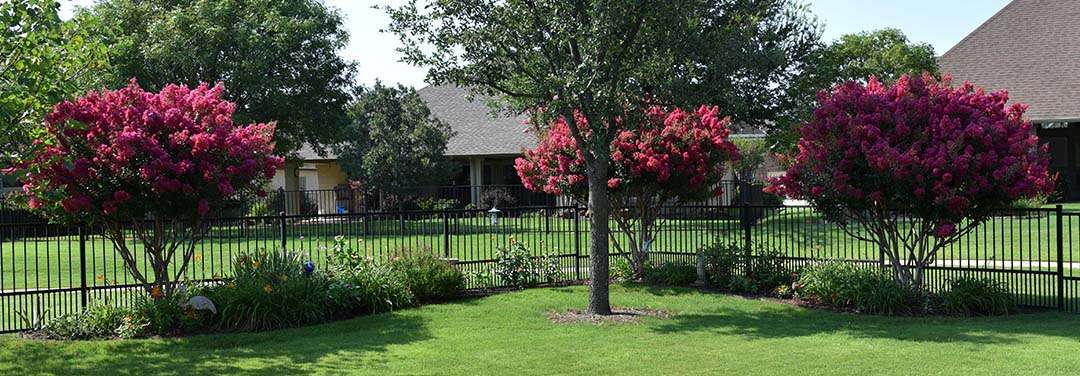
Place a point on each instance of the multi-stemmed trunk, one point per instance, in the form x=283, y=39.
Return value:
x=161, y=241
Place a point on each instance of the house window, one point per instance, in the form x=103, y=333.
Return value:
x=303, y=183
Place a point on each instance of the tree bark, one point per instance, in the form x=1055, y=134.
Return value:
x=600, y=212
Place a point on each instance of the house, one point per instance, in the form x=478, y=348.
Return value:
x=1032, y=49
x=484, y=145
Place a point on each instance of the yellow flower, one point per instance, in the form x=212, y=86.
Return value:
x=283, y=278
x=232, y=285
x=198, y=256
x=268, y=288
x=100, y=277
x=155, y=292
x=256, y=263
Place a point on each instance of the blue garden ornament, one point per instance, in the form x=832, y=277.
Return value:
x=309, y=267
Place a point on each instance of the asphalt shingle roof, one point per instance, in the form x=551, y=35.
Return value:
x=1030, y=48
x=476, y=131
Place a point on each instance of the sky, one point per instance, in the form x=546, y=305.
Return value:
x=942, y=23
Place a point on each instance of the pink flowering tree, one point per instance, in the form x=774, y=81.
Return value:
x=916, y=165
x=669, y=156
x=148, y=168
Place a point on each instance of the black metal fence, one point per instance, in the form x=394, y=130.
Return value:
x=48, y=270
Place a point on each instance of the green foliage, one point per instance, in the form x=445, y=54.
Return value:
x=394, y=141
x=269, y=290
x=367, y=287
x=620, y=270
x=968, y=296
x=515, y=266
x=433, y=204
x=430, y=279
x=45, y=60
x=725, y=268
x=845, y=285
x=670, y=274
x=279, y=58
x=886, y=54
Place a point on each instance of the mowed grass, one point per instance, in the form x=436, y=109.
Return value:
x=510, y=334
x=43, y=258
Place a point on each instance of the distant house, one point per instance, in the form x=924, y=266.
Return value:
x=1032, y=49
x=484, y=146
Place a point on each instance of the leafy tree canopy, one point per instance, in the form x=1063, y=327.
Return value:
x=278, y=58
x=45, y=60
x=394, y=141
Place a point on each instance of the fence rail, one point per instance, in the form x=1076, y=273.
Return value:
x=48, y=269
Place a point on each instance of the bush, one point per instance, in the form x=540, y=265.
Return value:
x=620, y=270
x=670, y=274
x=725, y=268
x=968, y=296
x=95, y=322
x=515, y=266
x=430, y=279
x=862, y=289
x=496, y=197
x=367, y=287
x=269, y=290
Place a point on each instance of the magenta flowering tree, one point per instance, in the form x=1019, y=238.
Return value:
x=147, y=167
x=916, y=164
x=669, y=156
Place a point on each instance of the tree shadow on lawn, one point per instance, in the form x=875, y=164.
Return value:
x=280, y=352
x=775, y=321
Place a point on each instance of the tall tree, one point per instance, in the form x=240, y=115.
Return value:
x=44, y=60
x=394, y=141
x=885, y=54
x=590, y=63
x=278, y=58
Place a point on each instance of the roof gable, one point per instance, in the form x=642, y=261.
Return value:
x=1031, y=48
x=476, y=131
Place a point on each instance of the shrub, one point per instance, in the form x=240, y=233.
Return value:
x=725, y=268
x=968, y=296
x=514, y=265
x=670, y=274
x=166, y=315
x=620, y=270
x=496, y=197
x=862, y=289
x=430, y=279
x=269, y=290
x=368, y=288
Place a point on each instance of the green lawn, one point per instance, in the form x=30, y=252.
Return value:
x=510, y=334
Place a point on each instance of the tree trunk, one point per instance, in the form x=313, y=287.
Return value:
x=600, y=212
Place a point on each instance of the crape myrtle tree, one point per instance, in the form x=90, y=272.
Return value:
x=671, y=157
x=915, y=165
x=591, y=62
x=147, y=167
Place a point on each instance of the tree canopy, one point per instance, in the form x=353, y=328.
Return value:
x=592, y=62
x=393, y=141
x=45, y=60
x=278, y=58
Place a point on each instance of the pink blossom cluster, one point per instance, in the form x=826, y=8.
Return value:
x=672, y=150
x=917, y=145
x=128, y=153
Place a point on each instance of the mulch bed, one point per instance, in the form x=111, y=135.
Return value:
x=620, y=315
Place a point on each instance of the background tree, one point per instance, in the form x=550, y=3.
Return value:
x=394, y=142
x=916, y=165
x=885, y=54
x=45, y=60
x=673, y=157
x=279, y=58
x=591, y=62
x=148, y=166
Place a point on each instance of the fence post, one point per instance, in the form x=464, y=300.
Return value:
x=577, y=243
x=282, y=231
x=747, y=240
x=1060, y=258
x=446, y=233
x=84, y=293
